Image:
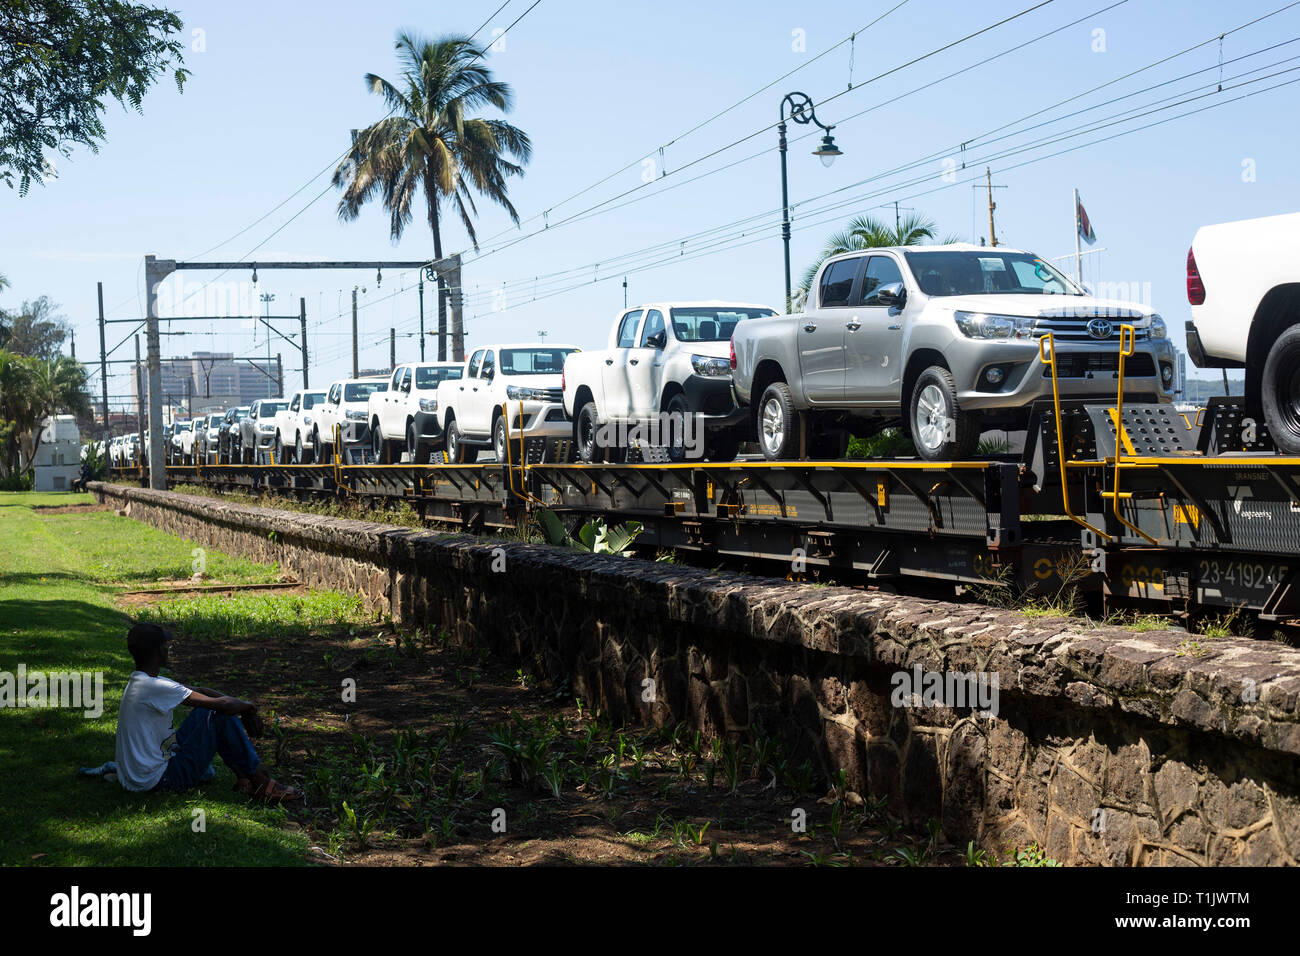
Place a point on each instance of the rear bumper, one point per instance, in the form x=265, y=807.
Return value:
x=1196, y=351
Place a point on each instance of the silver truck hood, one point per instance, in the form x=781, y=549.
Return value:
x=1045, y=306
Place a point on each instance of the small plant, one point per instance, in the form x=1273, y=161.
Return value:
x=974, y=856
x=594, y=536
x=1032, y=855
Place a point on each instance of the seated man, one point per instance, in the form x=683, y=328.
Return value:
x=152, y=756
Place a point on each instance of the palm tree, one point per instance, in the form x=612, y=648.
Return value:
x=430, y=141
x=865, y=232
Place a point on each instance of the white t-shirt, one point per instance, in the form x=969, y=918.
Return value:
x=144, y=729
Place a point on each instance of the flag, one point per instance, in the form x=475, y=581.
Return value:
x=1082, y=222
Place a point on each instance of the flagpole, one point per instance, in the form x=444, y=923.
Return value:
x=1078, y=250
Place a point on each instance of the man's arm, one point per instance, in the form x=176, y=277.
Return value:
x=207, y=692
x=221, y=704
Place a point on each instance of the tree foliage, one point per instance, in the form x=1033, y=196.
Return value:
x=31, y=389
x=430, y=143
x=62, y=61
x=35, y=330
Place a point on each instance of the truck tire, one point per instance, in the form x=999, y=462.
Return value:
x=317, y=446
x=778, y=423
x=1280, y=391
x=416, y=448
x=499, y=439
x=586, y=427
x=300, y=451
x=679, y=410
x=722, y=445
x=941, y=431
x=458, y=453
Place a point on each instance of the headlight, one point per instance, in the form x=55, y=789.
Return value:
x=979, y=325
x=708, y=365
x=1157, y=329
x=431, y=404
x=356, y=415
x=522, y=394
x=306, y=419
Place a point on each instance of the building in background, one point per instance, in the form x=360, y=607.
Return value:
x=210, y=381
x=58, y=456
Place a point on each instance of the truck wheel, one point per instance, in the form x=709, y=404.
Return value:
x=778, y=423
x=941, y=431
x=722, y=446
x=458, y=453
x=300, y=453
x=586, y=428
x=499, y=440
x=1280, y=391
x=317, y=449
x=418, y=451
x=679, y=413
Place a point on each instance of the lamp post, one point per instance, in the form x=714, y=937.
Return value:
x=800, y=111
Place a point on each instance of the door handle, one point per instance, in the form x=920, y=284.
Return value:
x=853, y=326
x=810, y=327
x=634, y=361
x=894, y=328
x=609, y=361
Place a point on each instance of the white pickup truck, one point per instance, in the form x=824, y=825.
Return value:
x=404, y=415
x=527, y=378
x=293, y=426
x=944, y=339
x=663, y=380
x=347, y=408
x=1243, y=283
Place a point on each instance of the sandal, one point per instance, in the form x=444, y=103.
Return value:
x=273, y=792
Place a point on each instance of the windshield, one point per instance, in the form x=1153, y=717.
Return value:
x=360, y=391
x=268, y=409
x=711, y=324
x=430, y=376
x=215, y=419
x=184, y=426
x=312, y=399
x=987, y=273
x=533, y=361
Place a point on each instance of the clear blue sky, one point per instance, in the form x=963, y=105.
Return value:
x=277, y=87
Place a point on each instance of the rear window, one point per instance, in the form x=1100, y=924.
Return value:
x=430, y=377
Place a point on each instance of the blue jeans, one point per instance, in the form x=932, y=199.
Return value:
x=203, y=735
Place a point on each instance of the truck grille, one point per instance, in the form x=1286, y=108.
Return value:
x=1079, y=364
x=1074, y=328
x=553, y=394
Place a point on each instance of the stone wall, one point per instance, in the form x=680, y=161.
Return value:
x=1107, y=746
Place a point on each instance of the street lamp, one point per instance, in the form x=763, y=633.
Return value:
x=800, y=111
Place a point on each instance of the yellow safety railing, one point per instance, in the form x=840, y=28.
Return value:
x=1047, y=354
x=1122, y=442
x=509, y=463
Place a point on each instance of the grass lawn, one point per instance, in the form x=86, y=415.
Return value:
x=60, y=574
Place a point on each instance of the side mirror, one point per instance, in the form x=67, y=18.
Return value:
x=658, y=340
x=892, y=294
x=489, y=373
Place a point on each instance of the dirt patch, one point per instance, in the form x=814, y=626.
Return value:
x=68, y=509
x=187, y=587
x=443, y=756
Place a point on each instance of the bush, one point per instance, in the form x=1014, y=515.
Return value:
x=887, y=443
x=17, y=482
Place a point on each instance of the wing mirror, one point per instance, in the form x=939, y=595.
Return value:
x=892, y=294
x=658, y=340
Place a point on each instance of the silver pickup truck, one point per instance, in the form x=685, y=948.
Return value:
x=940, y=339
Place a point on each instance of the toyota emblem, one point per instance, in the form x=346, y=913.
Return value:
x=1100, y=329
